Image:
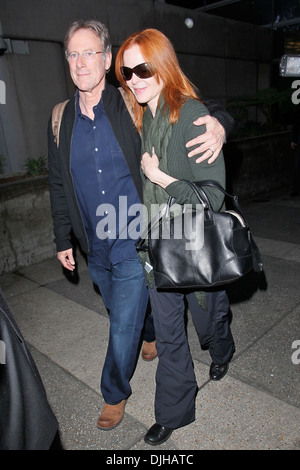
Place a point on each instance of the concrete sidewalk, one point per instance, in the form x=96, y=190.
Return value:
x=256, y=406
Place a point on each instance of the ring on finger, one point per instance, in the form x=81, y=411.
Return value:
x=212, y=151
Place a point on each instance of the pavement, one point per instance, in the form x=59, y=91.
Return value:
x=256, y=406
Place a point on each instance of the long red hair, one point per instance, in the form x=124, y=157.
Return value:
x=159, y=52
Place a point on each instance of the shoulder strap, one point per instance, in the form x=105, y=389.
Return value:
x=125, y=98
x=59, y=109
x=56, y=119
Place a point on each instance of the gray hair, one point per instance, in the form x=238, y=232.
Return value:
x=96, y=26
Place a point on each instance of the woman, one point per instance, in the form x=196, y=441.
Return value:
x=147, y=68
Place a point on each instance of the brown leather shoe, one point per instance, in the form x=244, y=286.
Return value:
x=149, y=351
x=111, y=416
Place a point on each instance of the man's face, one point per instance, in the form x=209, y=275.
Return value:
x=88, y=74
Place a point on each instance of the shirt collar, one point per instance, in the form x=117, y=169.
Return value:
x=97, y=108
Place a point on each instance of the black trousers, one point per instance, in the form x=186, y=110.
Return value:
x=212, y=325
x=176, y=385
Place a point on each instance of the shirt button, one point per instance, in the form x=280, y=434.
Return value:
x=94, y=127
x=103, y=192
x=105, y=212
x=99, y=171
x=96, y=150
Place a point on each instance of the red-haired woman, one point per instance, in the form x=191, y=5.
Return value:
x=148, y=69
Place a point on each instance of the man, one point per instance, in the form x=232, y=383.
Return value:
x=93, y=171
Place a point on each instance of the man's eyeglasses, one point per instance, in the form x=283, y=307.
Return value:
x=141, y=71
x=87, y=55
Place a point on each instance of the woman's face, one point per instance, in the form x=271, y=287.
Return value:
x=145, y=90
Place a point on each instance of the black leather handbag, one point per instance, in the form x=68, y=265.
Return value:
x=227, y=252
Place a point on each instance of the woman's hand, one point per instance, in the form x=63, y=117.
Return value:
x=150, y=168
x=150, y=165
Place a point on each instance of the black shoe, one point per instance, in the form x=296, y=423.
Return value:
x=217, y=372
x=157, y=434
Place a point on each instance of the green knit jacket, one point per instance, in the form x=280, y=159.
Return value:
x=175, y=161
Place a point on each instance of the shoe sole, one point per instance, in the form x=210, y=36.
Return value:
x=220, y=377
x=111, y=427
x=151, y=443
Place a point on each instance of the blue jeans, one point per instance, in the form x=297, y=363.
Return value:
x=125, y=295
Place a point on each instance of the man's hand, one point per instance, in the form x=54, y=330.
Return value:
x=66, y=259
x=211, y=142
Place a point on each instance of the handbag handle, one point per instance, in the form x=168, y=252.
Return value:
x=197, y=188
x=140, y=244
x=256, y=256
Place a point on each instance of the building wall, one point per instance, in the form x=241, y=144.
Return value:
x=224, y=58
x=26, y=224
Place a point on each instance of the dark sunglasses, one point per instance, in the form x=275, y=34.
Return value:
x=142, y=71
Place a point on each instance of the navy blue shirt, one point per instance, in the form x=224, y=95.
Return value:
x=107, y=197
